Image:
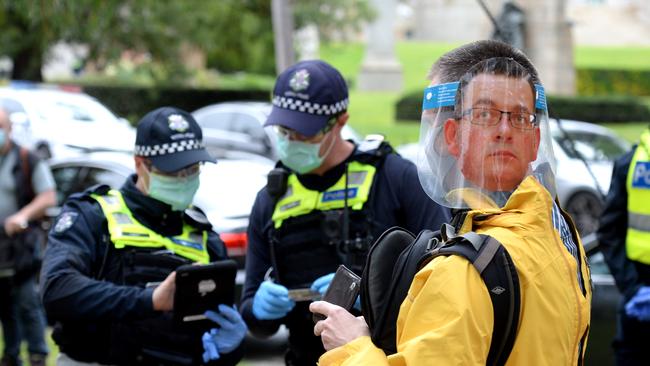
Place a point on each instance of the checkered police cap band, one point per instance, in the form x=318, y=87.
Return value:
x=168, y=148
x=309, y=107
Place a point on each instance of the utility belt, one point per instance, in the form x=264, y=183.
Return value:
x=309, y=246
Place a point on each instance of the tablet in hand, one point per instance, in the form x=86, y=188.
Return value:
x=203, y=287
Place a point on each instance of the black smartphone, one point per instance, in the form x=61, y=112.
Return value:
x=203, y=287
x=342, y=291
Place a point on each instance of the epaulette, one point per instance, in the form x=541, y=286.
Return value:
x=197, y=218
x=100, y=189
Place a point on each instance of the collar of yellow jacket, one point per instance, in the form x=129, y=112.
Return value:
x=530, y=196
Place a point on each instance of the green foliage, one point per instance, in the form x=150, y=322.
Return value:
x=333, y=17
x=599, y=109
x=134, y=102
x=613, y=81
x=409, y=106
x=241, y=37
x=592, y=109
x=236, y=35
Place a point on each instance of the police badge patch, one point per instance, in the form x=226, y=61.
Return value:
x=65, y=221
x=178, y=123
x=300, y=80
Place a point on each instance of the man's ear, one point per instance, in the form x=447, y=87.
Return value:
x=343, y=119
x=139, y=161
x=537, y=139
x=451, y=136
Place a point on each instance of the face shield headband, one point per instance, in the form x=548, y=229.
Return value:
x=482, y=136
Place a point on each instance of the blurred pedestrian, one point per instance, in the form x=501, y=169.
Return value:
x=624, y=237
x=26, y=190
x=108, y=247
x=487, y=153
x=323, y=206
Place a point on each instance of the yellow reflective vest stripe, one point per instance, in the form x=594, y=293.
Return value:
x=298, y=200
x=637, y=242
x=126, y=231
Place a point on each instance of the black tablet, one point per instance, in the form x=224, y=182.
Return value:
x=203, y=287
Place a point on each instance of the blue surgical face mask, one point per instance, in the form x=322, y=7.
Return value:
x=300, y=156
x=174, y=191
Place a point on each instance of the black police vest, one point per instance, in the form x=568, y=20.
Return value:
x=313, y=244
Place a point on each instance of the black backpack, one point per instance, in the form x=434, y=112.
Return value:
x=397, y=256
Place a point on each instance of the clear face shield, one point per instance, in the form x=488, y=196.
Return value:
x=481, y=136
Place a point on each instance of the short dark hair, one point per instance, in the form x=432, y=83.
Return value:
x=465, y=62
x=456, y=63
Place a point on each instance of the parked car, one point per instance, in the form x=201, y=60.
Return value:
x=580, y=189
x=226, y=194
x=54, y=122
x=580, y=193
x=239, y=126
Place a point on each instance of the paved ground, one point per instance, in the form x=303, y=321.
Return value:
x=265, y=352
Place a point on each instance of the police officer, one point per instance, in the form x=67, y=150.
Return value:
x=624, y=237
x=108, y=247
x=326, y=202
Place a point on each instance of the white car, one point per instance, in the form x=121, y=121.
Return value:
x=239, y=126
x=580, y=186
x=54, y=122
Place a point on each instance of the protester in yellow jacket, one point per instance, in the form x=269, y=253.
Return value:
x=486, y=150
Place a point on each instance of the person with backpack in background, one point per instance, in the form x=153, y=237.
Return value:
x=486, y=152
x=624, y=237
x=26, y=190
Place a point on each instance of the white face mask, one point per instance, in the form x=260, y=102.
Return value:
x=300, y=156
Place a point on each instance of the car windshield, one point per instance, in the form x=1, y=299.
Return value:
x=591, y=146
x=74, y=107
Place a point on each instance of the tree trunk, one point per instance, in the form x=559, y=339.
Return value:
x=27, y=64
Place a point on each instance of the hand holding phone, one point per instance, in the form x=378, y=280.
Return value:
x=342, y=291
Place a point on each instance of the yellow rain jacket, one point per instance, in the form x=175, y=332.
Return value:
x=447, y=319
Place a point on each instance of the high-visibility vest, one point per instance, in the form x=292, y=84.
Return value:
x=126, y=231
x=637, y=242
x=298, y=200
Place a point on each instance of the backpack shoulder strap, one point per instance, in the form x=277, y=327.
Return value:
x=25, y=163
x=494, y=264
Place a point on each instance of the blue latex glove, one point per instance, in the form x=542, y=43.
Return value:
x=639, y=305
x=322, y=283
x=209, y=346
x=224, y=339
x=357, y=303
x=271, y=301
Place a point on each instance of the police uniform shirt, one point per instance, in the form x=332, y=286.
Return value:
x=76, y=251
